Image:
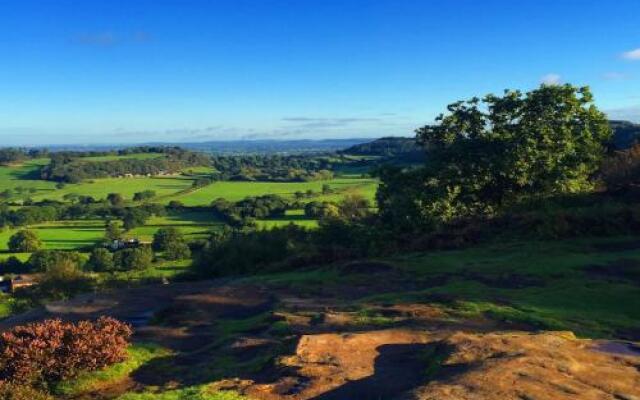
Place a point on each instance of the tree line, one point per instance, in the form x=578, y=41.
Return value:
x=70, y=167
x=274, y=168
x=539, y=163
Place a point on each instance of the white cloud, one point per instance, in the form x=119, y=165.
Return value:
x=632, y=54
x=615, y=76
x=550, y=79
x=631, y=113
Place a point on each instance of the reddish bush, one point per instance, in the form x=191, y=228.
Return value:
x=50, y=351
x=9, y=391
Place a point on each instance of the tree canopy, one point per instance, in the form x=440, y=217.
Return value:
x=24, y=242
x=485, y=154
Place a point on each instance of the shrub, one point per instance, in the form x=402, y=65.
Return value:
x=177, y=251
x=175, y=205
x=13, y=265
x=62, y=280
x=134, y=217
x=251, y=252
x=144, y=195
x=130, y=259
x=164, y=236
x=10, y=391
x=112, y=232
x=47, y=352
x=101, y=260
x=115, y=199
x=43, y=260
x=24, y=242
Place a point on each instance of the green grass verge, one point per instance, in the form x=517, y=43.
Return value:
x=26, y=176
x=100, y=188
x=189, y=393
x=235, y=191
x=556, y=291
x=139, y=354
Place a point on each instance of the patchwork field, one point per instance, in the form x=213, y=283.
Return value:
x=136, y=156
x=68, y=235
x=234, y=191
x=22, y=181
x=100, y=188
x=193, y=224
x=26, y=176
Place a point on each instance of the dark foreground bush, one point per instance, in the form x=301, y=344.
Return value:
x=41, y=354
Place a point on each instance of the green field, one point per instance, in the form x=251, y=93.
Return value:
x=291, y=217
x=62, y=234
x=26, y=175
x=177, y=188
x=100, y=188
x=234, y=191
x=137, y=156
x=193, y=224
x=68, y=235
x=541, y=283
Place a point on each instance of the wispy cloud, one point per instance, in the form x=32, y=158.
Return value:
x=626, y=113
x=324, y=123
x=298, y=127
x=632, y=54
x=186, y=133
x=615, y=76
x=107, y=38
x=96, y=39
x=550, y=79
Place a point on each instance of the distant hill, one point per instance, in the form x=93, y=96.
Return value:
x=386, y=147
x=274, y=146
x=249, y=146
x=625, y=134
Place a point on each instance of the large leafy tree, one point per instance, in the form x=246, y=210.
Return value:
x=485, y=154
x=24, y=242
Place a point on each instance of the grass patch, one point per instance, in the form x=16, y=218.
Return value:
x=139, y=354
x=532, y=318
x=26, y=176
x=10, y=305
x=565, y=297
x=235, y=191
x=99, y=188
x=231, y=327
x=370, y=317
x=189, y=393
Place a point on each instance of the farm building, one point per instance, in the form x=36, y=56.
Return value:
x=8, y=285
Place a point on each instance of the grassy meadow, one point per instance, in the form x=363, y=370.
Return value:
x=179, y=188
x=81, y=234
x=583, y=285
x=135, y=156
x=234, y=191
x=26, y=176
x=100, y=188
x=76, y=234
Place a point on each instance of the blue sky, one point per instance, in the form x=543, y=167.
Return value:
x=134, y=71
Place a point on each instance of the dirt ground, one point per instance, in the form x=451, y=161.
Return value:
x=281, y=344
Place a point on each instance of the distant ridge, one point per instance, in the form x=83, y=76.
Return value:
x=385, y=147
x=625, y=134
x=257, y=146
